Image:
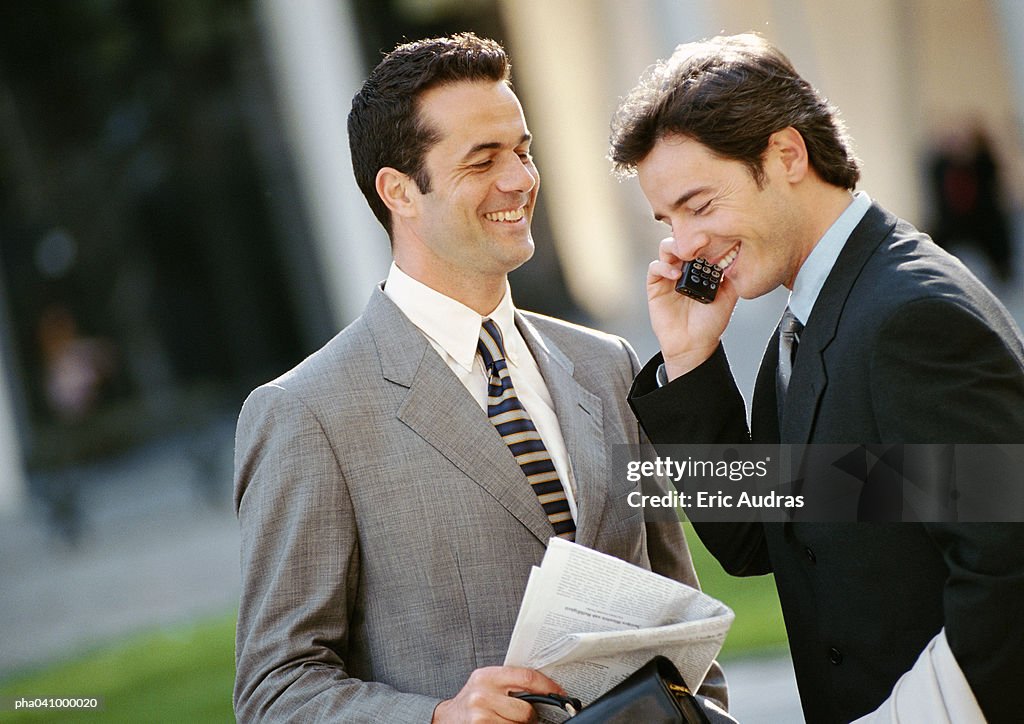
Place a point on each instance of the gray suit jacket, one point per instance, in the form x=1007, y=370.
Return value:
x=387, y=532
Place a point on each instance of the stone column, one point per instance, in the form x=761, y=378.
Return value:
x=313, y=53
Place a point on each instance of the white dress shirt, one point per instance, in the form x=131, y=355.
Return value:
x=453, y=330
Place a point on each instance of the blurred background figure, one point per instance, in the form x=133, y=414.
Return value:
x=77, y=371
x=969, y=204
x=76, y=367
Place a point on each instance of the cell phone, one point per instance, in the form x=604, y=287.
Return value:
x=700, y=280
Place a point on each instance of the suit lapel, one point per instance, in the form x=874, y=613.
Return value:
x=439, y=409
x=764, y=414
x=581, y=419
x=809, y=374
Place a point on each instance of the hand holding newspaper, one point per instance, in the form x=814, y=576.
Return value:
x=588, y=620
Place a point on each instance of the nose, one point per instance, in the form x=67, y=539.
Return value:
x=515, y=175
x=690, y=241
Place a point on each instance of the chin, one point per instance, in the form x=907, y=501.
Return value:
x=748, y=290
x=519, y=256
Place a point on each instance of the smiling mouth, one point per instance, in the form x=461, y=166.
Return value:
x=507, y=215
x=726, y=261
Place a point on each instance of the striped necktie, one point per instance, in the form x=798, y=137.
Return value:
x=516, y=428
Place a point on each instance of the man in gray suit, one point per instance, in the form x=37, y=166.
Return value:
x=887, y=340
x=396, y=487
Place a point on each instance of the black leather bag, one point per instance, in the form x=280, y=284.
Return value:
x=653, y=694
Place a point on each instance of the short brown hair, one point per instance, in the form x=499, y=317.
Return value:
x=384, y=125
x=731, y=93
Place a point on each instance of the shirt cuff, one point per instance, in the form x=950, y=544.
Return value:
x=935, y=689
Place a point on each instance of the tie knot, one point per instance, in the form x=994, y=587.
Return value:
x=490, y=346
x=790, y=326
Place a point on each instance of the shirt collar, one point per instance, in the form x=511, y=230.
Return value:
x=450, y=324
x=818, y=265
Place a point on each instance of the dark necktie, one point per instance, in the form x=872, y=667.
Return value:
x=789, y=338
x=516, y=428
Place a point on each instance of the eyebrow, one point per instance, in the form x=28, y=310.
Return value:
x=491, y=145
x=683, y=198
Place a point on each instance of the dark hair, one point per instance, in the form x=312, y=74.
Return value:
x=384, y=126
x=731, y=93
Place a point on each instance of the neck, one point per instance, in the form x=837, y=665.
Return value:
x=822, y=208
x=482, y=299
x=480, y=293
x=832, y=203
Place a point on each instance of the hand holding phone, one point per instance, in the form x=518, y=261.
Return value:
x=700, y=280
x=688, y=333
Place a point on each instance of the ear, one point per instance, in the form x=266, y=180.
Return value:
x=394, y=187
x=787, y=147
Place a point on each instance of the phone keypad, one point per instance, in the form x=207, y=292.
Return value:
x=700, y=280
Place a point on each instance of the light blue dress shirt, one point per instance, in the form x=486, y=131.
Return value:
x=818, y=265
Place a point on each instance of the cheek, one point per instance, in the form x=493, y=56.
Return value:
x=464, y=204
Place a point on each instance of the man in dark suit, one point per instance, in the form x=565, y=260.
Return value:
x=887, y=339
x=392, y=501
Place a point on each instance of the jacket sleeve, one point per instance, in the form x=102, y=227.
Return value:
x=300, y=568
x=703, y=406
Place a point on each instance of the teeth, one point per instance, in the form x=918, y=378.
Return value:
x=508, y=215
x=729, y=258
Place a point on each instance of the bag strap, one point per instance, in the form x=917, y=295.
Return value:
x=569, y=704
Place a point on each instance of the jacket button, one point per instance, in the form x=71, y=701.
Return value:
x=835, y=656
x=810, y=555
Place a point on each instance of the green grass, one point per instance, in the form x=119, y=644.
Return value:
x=186, y=673
x=170, y=675
x=758, y=628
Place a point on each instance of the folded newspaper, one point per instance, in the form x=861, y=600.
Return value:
x=588, y=620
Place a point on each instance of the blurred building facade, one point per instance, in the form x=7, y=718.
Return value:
x=178, y=219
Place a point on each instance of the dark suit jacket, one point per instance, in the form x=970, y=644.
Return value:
x=903, y=345
x=388, y=533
